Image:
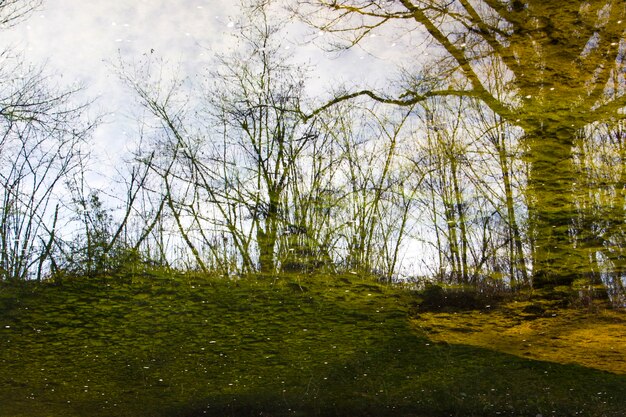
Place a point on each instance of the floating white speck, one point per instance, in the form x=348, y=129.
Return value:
x=113, y=24
x=230, y=24
x=119, y=40
x=287, y=47
x=529, y=96
x=212, y=341
x=393, y=44
x=199, y=7
x=187, y=34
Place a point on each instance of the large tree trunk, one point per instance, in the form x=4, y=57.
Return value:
x=551, y=206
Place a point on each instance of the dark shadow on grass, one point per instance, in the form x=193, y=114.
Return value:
x=412, y=376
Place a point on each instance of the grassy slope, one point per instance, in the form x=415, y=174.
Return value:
x=192, y=346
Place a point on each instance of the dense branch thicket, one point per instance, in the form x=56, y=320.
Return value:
x=42, y=132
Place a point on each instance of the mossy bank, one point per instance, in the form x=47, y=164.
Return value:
x=187, y=345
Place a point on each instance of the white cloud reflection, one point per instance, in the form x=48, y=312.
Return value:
x=81, y=39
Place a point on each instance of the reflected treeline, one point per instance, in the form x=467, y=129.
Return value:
x=495, y=162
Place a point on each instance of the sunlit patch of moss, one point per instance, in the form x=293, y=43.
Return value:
x=538, y=330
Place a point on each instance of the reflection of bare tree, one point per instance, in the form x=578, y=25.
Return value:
x=41, y=133
x=227, y=186
x=257, y=102
x=564, y=61
x=249, y=183
x=12, y=11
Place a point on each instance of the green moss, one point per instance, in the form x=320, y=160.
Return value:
x=192, y=345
